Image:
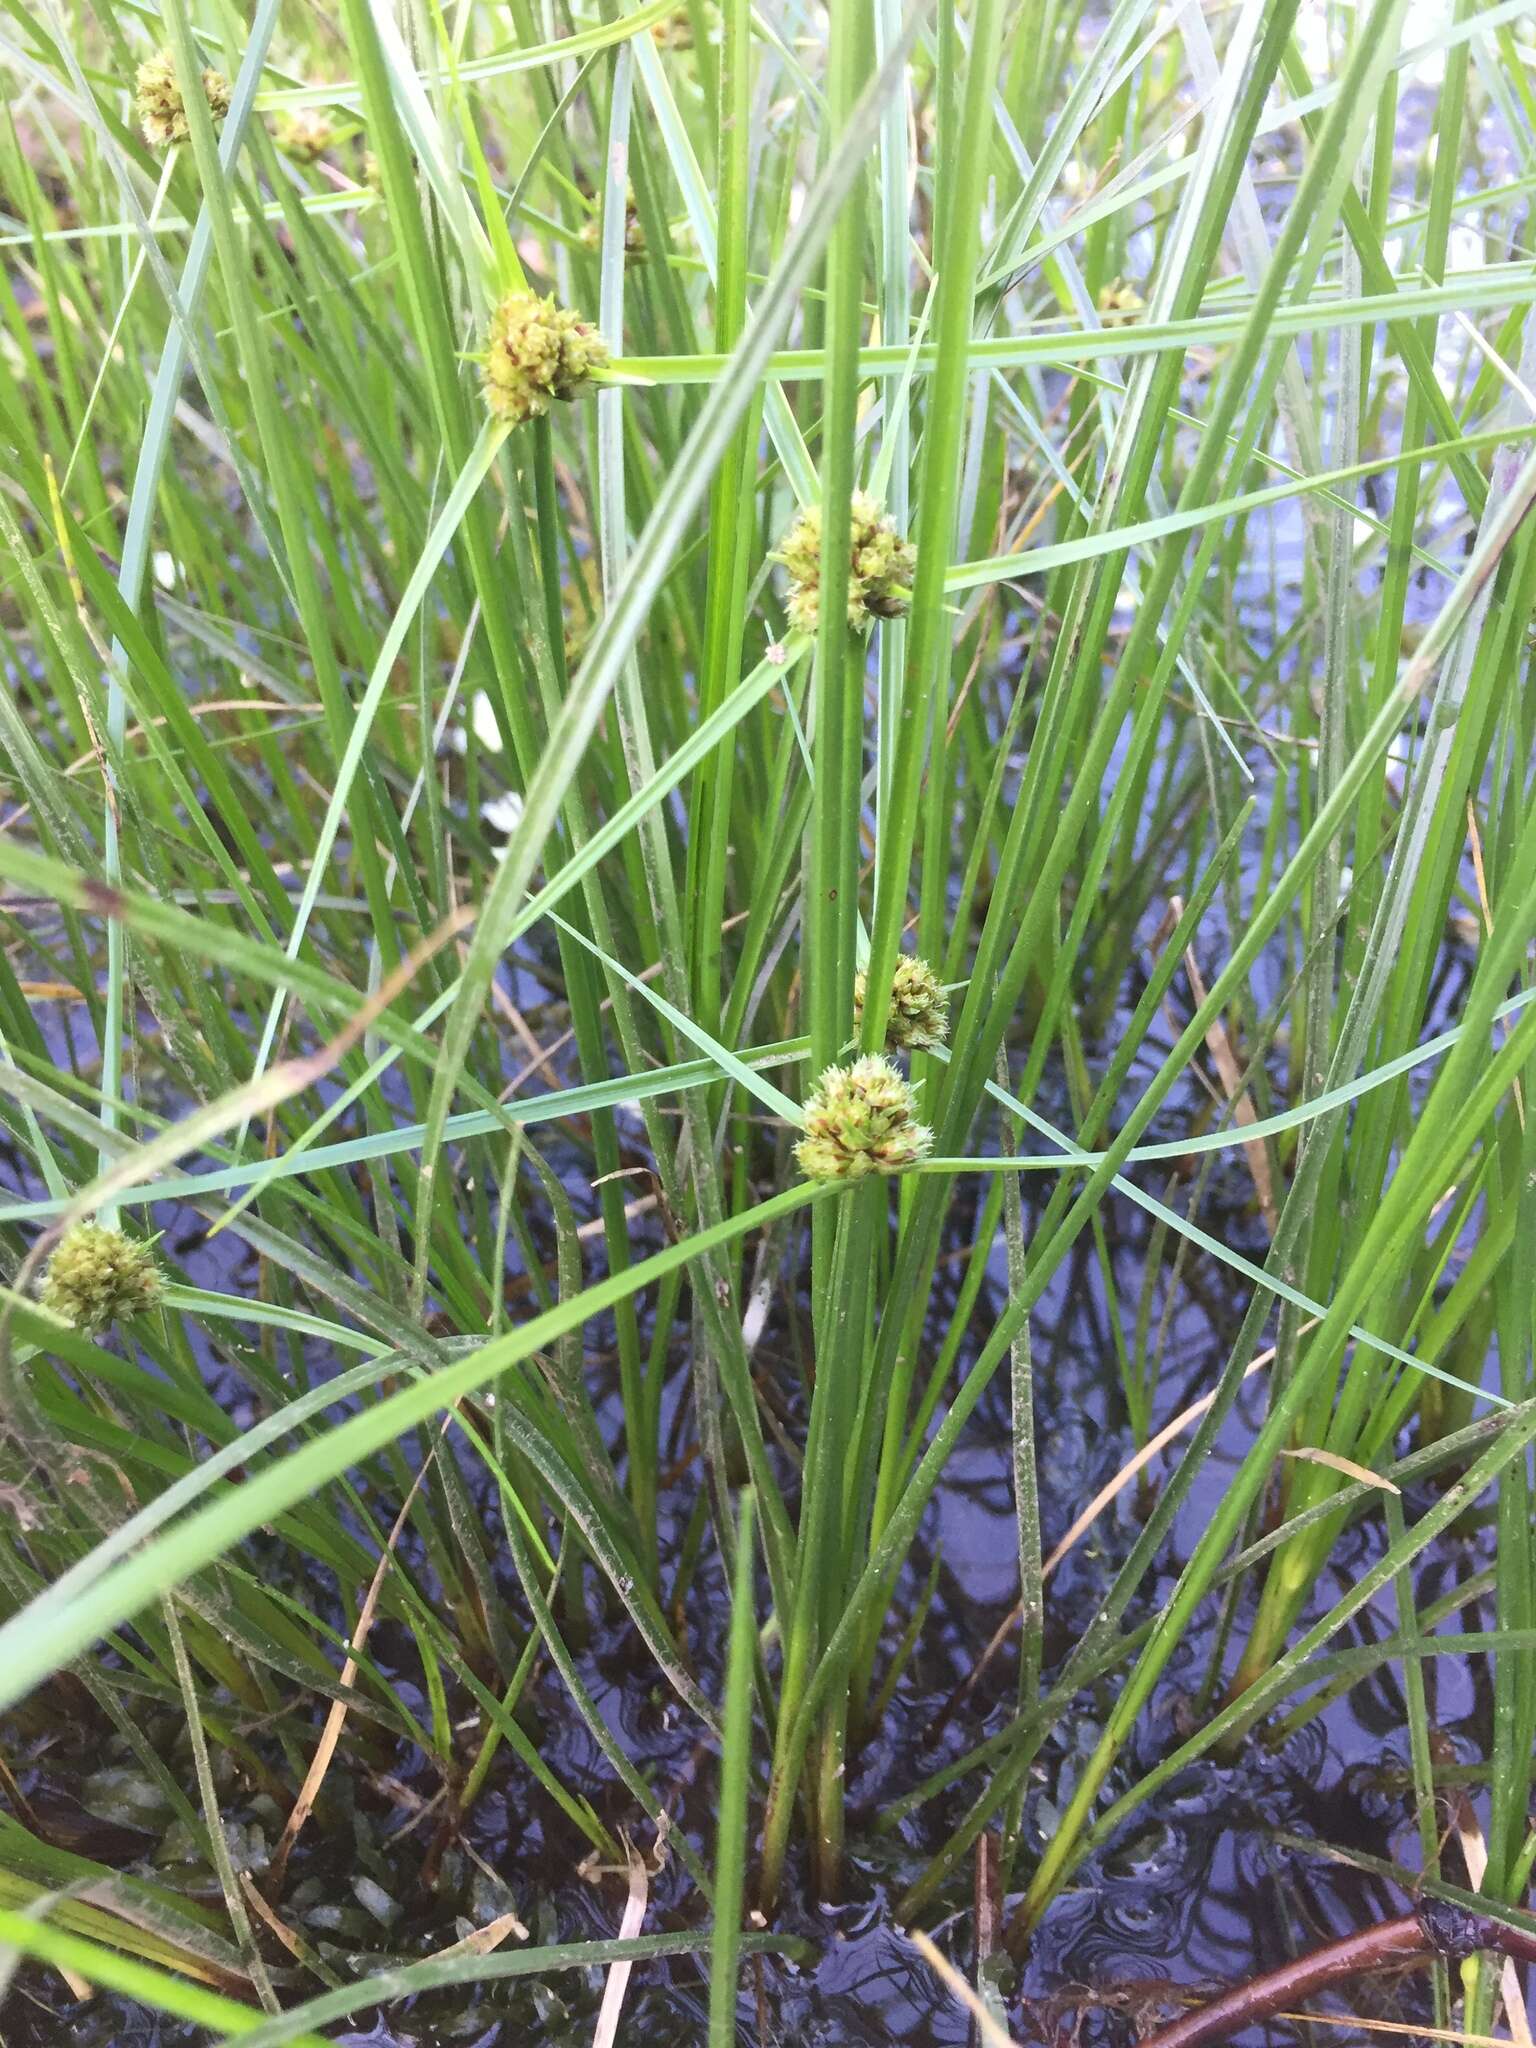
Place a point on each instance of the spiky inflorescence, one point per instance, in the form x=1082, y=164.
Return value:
x=537, y=351
x=305, y=134
x=97, y=1276
x=861, y=1119
x=880, y=566
x=918, y=1019
x=160, y=107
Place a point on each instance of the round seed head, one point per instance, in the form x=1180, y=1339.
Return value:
x=918, y=1019
x=537, y=351
x=305, y=134
x=97, y=1276
x=160, y=107
x=861, y=1119
x=880, y=566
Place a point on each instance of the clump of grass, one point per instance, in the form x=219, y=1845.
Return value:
x=448, y=827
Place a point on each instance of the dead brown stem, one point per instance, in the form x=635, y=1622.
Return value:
x=1435, y=1929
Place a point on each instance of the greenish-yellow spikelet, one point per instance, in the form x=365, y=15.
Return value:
x=160, y=107
x=97, y=1277
x=880, y=567
x=535, y=352
x=1120, y=302
x=305, y=134
x=918, y=1020
x=861, y=1119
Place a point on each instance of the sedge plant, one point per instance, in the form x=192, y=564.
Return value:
x=651, y=705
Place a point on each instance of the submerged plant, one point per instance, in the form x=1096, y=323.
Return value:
x=159, y=104
x=880, y=566
x=537, y=351
x=97, y=1277
x=861, y=1119
x=918, y=1019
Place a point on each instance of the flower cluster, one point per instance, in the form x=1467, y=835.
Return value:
x=1119, y=303
x=675, y=30
x=160, y=107
x=861, y=1119
x=918, y=1020
x=305, y=134
x=97, y=1276
x=537, y=351
x=635, y=247
x=880, y=566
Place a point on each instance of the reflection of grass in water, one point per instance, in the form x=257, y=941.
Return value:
x=285, y=783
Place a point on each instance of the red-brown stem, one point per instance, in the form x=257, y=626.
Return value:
x=1436, y=1929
